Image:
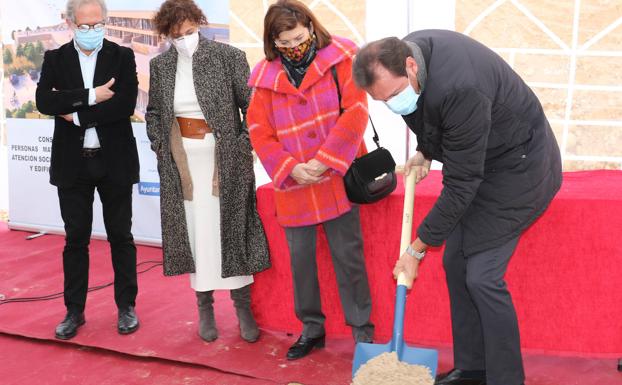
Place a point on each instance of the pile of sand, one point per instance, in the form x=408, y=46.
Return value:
x=386, y=369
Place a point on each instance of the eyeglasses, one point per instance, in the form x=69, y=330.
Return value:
x=292, y=43
x=97, y=27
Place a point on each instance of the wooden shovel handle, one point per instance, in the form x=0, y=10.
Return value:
x=407, y=221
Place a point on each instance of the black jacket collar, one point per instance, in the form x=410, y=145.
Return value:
x=74, y=72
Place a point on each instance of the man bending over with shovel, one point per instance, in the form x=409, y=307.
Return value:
x=501, y=169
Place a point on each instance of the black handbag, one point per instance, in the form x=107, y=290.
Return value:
x=370, y=177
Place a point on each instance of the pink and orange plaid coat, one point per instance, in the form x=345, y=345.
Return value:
x=289, y=126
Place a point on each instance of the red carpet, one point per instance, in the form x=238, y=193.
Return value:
x=166, y=350
x=167, y=312
x=565, y=277
x=26, y=362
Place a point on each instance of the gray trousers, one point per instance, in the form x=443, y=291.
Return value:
x=346, y=248
x=484, y=324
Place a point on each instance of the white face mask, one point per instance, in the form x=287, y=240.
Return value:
x=186, y=45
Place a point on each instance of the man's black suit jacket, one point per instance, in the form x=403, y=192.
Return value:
x=61, y=91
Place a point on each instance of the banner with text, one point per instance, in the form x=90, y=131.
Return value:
x=34, y=201
x=29, y=28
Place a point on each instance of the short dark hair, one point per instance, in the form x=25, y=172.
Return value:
x=173, y=13
x=390, y=52
x=285, y=15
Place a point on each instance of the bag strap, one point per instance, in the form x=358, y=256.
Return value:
x=376, y=139
x=333, y=70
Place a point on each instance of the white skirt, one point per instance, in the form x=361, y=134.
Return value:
x=203, y=220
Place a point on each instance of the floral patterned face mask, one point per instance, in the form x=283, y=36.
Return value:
x=298, y=52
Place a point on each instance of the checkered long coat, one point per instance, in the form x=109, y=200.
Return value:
x=290, y=125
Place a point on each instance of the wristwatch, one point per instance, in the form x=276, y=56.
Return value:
x=414, y=253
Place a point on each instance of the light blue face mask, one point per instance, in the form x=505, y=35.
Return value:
x=405, y=102
x=89, y=40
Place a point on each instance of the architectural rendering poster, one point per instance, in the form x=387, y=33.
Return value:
x=29, y=28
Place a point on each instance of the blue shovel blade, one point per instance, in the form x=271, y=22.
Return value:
x=414, y=356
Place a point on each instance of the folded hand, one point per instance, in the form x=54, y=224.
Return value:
x=68, y=117
x=303, y=174
x=316, y=168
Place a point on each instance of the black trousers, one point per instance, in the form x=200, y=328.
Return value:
x=346, y=248
x=76, y=207
x=484, y=323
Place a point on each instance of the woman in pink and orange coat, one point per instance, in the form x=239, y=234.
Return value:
x=306, y=137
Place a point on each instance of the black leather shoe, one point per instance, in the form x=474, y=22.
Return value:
x=69, y=327
x=363, y=334
x=364, y=339
x=303, y=346
x=461, y=377
x=128, y=322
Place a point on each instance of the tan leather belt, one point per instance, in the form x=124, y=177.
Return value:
x=193, y=128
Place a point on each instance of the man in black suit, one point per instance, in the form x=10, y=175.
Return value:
x=501, y=169
x=89, y=85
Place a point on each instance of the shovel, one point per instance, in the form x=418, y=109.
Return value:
x=416, y=356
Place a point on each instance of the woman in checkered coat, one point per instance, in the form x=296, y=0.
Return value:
x=306, y=141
